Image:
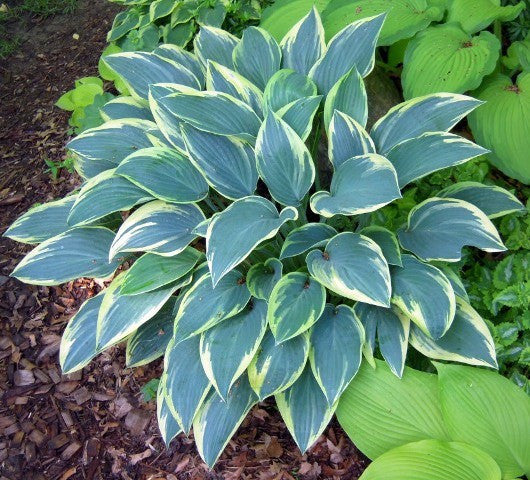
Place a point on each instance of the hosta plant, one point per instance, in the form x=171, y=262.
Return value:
x=251, y=274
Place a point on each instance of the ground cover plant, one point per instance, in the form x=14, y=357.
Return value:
x=250, y=273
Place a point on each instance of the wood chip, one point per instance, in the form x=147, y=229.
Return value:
x=22, y=378
x=70, y=450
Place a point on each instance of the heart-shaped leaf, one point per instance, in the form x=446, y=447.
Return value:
x=387, y=241
x=262, y=277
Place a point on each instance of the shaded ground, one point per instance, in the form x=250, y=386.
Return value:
x=95, y=424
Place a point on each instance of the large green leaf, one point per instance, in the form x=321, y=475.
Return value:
x=157, y=227
x=484, y=409
x=336, y=343
x=424, y=294
x=503, y=123
x=247, y=222
x=352, y=266
x=228, y=348
x=212, y=43
x=167, y=424
x=262, y=277
x=310, y=235
x=361, y=184
x=79, y=252
x=438, y=228
x=445, y=58
x=300, y=113
x=283, y=161
x=182, y=57
x=286, y=86
x=433, y=460
x=295, y=304
x=387, y=241
x=468, y=339
x=161, y=8
x=125, y=107
x=164, y=173
x=42, y=222
x=399, y=410
x=275, y=367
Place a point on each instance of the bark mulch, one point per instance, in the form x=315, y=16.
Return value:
x=96, y=424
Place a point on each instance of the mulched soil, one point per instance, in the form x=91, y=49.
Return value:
x=95, y=424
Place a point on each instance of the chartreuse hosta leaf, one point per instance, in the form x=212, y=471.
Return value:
x=165, y=173
x=438, y=112
x=79, y=252
x=228, y=164
x=151, y=271
x=352, y=266
x=438, y=228
x=275, y=366
x=420, y=156
x=493, y=200
x=435, y=460
x=424, y=294
x=304, y=409
x=212, y=43
x=387, y=241
x=283, y=161
x=353, y=46
x=361, y=184
x=335, y=355
x=295, y=304
x=304, y=238
x=167, y=424
x=392, y=328
x=182, y=57
x=262, y=277
x=299, y=114
x=157, y=227
x=408, y=407
x=42, y=222
x=286, y=86
x=204, y=306
x=125, y=107
x=227, y=348
x=218, y=419
x=303, y=44
x=247, y=222
x=78, y=343
x=467, y=340
x=496, y=417
x=404, y=17
x=461, y=61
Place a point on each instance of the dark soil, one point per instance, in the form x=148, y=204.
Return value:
x=95, y=424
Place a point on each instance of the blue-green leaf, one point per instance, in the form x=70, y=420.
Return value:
x=212, y=43
x=262, y=277
x=125, y=107
x=167, y=424
x=387, y=241
x=182, y=57
x=286, y=86
x=307, y=236
x=300, y=113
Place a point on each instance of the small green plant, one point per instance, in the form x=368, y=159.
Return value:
x=55, y=166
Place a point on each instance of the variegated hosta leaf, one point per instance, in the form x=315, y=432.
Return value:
x=167, y=424
x=305, y=410
x=102, y=148
x=275, y=367
x=219, y=419
x=286, y=86
x=141, y=69
x=361, y=184
x=257, y=56
x=228, y=348
x=215, y=44
x=304, y=44
x=468, y=339
x=300, y=113
x=336, y=343
x=151, y=271
x=204, y=306
x=42, y=222
x=182, y=362
x=438, y=112
x=247, y=222
x=150, y=340
x=310, y=235
x=182, y=57
x=353, y=46
x=348, y=96
x=103, y=194
x=438, y=228
x=79, y=252
x=283, y=161
x=387, y=241
x=125, y=107
x=228, y=164
x=424, y=294
x=78, y=343
x=262, y=277
x=456, y=282
x=494, y=201
x=295, y=304
x=165, y=173
x=420, y=156
x=352, y=266
x=347, y=139
x=120, y=315
x=392, y=329
x=157, y=227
